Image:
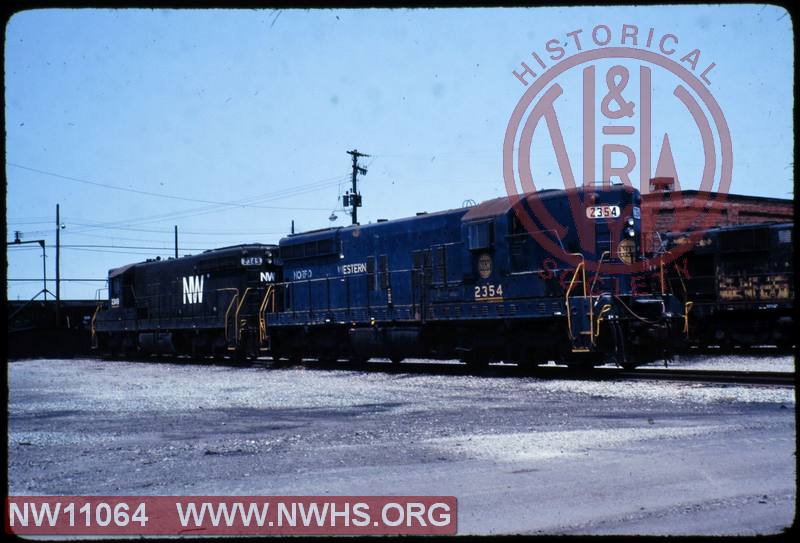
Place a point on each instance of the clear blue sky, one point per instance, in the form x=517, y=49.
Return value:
x=260, y=106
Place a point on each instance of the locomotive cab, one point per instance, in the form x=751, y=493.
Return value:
x=584, y=247
x=120, y=287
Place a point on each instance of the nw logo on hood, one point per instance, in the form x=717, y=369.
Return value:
x=193, y=289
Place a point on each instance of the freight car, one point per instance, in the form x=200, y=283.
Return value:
x=475, y=284
x=740, y=280
x=210, y=304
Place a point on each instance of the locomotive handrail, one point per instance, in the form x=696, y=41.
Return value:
x=580, y=267
x=228, y=310
x=94, y=325
x=661, y=272
x=680, y=278
x=605, y=309
x=238, y=310
x=597, y=273
x=686, y=308
x=593, y=335
x=97, y=293
x=632, y=313
x=262, y=321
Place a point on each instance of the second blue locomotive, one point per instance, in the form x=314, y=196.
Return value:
x=474, y=284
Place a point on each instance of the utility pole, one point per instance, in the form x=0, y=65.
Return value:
x=58, y=266
x=44, y=269
x=354, y=199
x=176, y=241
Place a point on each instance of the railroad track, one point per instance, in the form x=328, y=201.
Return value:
x=562, y=372
x=512, y=370
x=714, y=376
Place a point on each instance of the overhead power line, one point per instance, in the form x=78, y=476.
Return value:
x=62, y=279
x=72, y=246
x=234, y=203
x=166, y=252
x=172, y=216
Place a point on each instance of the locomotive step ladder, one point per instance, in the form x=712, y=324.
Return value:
x=580, y=323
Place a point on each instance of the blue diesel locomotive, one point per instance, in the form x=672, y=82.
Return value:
x=479, y=284
x=547, y=276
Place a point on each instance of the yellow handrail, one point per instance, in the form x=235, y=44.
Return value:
x=94, y=325
x=686, y=308
x=661, y=271
x=262, y=321
x=591, y=303
x=238, y=309
x=228, y=310
x=606, y=308
x=580, y=267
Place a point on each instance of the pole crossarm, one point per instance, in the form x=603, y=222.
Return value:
x=355, y=198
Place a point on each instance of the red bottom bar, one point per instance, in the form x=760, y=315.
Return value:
x=231, y=515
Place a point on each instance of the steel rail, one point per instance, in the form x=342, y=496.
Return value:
x=768, y=378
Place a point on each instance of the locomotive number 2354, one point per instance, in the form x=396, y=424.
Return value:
x=488, y=291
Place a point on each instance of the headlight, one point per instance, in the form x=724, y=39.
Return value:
x=630, y=231
x=629, y=220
